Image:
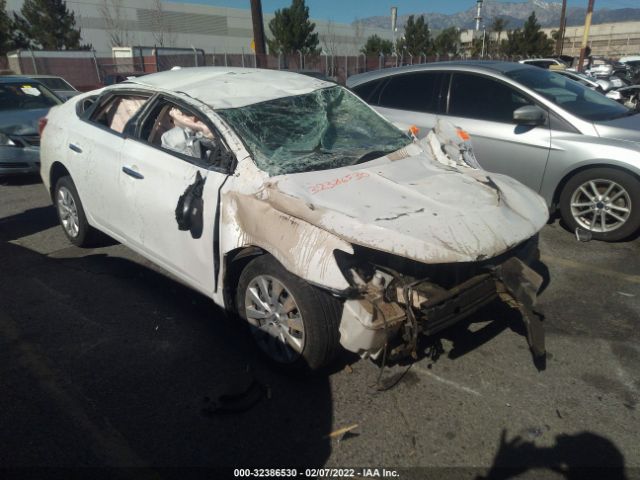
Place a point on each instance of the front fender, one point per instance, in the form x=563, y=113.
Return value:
x=302, y=248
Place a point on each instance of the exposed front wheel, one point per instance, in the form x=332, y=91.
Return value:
x=292, y=322
x=71, y=214
x=604, y=201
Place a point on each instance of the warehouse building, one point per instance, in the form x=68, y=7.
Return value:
x=213, y=29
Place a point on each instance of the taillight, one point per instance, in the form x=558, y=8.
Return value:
x=41, y=124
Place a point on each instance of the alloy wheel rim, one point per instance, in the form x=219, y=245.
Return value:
x=601, y=205
x=275, y=318
x=68, y=212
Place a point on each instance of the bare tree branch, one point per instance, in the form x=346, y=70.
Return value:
x=115, y=22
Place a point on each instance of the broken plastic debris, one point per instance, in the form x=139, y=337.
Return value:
x=624, y=294
x=463, y=135
x=583, y=235
x=341, y=432
x=237, y=400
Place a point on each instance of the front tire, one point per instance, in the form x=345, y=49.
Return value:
x=71, y=213
x=292, y=322
x=604, y=201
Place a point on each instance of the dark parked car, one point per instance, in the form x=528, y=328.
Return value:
x=57, y=85
x=23, y=101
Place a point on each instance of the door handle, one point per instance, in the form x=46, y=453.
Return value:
x=75, y=148
x=132, y=173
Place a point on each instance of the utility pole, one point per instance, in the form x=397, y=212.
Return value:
x=258, y=33
x=560, y=41
x=394, y=28
x=585, y=37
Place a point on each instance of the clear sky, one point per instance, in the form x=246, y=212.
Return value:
x=348, y=10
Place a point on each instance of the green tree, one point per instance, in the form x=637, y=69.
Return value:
x=292, y=30
x=535, y=41
x=5, y=29
x=528, y=41
x=375, y=45
x=417, y=38
x=48, y=25
x=447, y=42
x=498, y=26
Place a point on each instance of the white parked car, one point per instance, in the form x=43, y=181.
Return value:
x=288, y=200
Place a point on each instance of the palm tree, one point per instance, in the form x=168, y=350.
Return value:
x=498, y=26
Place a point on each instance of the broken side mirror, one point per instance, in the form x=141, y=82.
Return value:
x=218, y=156
x=531, y=115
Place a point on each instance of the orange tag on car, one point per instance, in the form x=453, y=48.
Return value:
x=414, y=130
x=463, y=135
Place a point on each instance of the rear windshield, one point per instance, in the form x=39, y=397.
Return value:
x=26, y=96
x=573, y=97
x=55, y=83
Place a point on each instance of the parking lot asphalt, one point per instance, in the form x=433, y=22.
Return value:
x=106, y=361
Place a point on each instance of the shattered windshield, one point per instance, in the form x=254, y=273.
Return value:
x=327, y=128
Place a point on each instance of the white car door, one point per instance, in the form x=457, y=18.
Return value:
x=152, y=180
x=95, y=145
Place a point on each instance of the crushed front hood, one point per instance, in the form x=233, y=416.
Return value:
x=414, y=207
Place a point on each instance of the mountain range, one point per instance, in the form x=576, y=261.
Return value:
x=515, y=13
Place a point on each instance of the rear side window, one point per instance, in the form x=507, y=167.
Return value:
x=475, y=96
x=55, y=83
x=370, y=91
x=419, y=92
x=117, y=111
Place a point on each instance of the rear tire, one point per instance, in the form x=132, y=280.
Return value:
x=604, y=201
x=292, y=322
x=71, y=213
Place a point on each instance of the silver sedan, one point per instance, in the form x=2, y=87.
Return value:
x=577, y=148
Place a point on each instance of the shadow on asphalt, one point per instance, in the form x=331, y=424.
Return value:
x=28, y=222
x=107, y=362
x=584, y=455
x=20, y=180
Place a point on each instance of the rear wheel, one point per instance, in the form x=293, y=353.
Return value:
x=71, y=214
x=292, y=322
x=604, y=201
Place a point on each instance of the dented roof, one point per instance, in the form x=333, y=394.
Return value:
x=224, y=87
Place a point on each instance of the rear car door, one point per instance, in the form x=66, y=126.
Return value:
x=174, y=156
x=413, y=98
x=484, y=107
x=94, y=147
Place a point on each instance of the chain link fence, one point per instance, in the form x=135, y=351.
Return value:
x=87, y=70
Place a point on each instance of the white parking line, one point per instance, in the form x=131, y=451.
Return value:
x=445, y=381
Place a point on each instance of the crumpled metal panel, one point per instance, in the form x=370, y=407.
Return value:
x=415, y=208
x=227, y=87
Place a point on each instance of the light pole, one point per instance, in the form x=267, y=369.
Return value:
x=478, y=14
x=394, y=21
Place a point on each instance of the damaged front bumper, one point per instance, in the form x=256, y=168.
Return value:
x=394, y=309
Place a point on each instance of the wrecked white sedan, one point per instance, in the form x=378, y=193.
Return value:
x=288, y=200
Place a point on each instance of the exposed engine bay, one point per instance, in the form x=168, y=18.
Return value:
x=394, y=299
